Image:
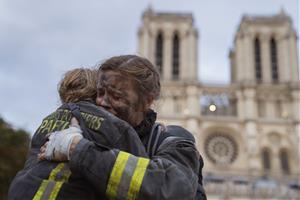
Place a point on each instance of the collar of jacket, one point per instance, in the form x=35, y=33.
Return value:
x=144, y=128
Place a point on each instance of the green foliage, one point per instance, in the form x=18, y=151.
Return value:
x=13, y=150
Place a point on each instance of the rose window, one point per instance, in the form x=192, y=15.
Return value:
x=221, y=149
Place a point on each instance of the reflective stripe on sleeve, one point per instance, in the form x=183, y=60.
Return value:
x=126, y=176
x=55, y=171
x=116, y=174
x=50, y=188
x=137, y=178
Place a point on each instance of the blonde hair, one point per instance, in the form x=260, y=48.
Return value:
x=78, y=85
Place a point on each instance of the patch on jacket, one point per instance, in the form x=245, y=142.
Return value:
x=60, y=120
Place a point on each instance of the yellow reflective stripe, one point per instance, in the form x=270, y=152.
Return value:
x=137, y=178
x=55, y=171
x=66, y=175
x=55, y=190
x=52, y=178
x=116, y=174
x=41, y=190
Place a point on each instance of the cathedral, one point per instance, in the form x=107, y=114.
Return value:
x=248, y=131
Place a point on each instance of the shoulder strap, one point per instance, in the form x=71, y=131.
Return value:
x=153, y=139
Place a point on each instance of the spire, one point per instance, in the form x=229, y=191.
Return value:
x=149, y=11
x=150, y=8
x=282, y=11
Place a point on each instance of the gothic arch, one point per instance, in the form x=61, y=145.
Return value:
x=257, y=58
x=175, y=55
x=274, y=59
x=281, y=146
x=266, y=159
x=285, y=162
x=159, y=46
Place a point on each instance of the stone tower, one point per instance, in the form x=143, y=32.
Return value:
x=248, y=132
x=170, y=41
x=264, y=63
x=265, y=51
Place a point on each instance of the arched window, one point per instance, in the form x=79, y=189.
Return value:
x=274, y=63
x=284, y=161
x=176, y=56
x=257, y=60
x=266, y=159
x=159, y=52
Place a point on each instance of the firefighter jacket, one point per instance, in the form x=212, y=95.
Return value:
x=171, y=171
x=53, y=180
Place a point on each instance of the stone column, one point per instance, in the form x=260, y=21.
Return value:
x=248, y=58
x=250, y=104
x=296, y=119
x=240, y=105
x=297, y=129
x=243, y=60
x=296, y=105
x=250, y=109
x=284, y=60
x=193, y=103
x=167, y=55
x=183, y=56
x=141, y=45
x=193, y=43
x=193, y=106
x=252, y=147
x=150, y=41
x=200, y=93
x=239, y=59
x=294, y=58
x=144, y=42
x=266, y=59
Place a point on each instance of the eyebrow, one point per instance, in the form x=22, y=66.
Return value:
x=112, y=89
x=104, y=84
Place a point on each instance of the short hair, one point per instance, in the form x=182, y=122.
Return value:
x=78, y=85
x=140, y=69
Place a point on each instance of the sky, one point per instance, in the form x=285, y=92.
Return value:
x=41, y=40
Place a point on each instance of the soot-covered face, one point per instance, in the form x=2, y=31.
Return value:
x=118, y=94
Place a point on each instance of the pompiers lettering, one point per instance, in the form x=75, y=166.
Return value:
x=60, y=120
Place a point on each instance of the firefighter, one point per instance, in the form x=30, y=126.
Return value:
x=127, y=87
x=53, y=180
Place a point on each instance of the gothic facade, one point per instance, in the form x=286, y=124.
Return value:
x=248, y=132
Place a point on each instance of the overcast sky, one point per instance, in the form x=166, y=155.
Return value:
x=40, y=40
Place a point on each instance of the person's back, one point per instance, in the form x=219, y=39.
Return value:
x=45, y=179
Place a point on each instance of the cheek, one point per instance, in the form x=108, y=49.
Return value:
x=137, y=101
x=123, y=110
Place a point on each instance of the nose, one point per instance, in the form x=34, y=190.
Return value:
x=103, y=102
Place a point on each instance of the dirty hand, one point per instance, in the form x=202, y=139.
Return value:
x=61, y=143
